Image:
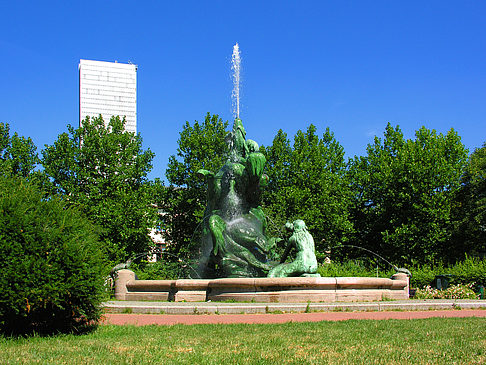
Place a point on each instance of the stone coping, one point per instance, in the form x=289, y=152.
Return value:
x=292, y=289
x=273, y=283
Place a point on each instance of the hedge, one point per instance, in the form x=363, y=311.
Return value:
x=51, y=265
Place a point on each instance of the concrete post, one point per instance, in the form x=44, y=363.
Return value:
x=122, y=278
x=403, y=277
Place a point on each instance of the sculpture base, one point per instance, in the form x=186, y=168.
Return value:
x=263, y=290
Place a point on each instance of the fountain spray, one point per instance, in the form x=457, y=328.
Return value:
x=235, y=67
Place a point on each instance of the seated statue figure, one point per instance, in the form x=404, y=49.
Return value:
x=305, y=263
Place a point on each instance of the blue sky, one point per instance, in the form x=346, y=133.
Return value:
x=351, y=66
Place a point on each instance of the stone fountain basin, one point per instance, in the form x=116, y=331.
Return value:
x=263, y=290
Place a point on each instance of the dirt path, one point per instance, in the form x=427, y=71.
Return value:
x=170, y=319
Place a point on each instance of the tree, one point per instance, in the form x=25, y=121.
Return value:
x=103, y=169
x=308, y=182
x=470, y=213
x=201, y=146
x=18, y=154
x=404, y=194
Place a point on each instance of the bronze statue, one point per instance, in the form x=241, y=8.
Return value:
x=234, y=242
x=305, y=263
x=235, y=225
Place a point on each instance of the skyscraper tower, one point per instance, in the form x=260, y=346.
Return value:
x=109, y=89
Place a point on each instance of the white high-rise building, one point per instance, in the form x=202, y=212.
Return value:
x=109, y=89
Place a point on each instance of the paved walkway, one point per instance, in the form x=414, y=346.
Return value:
x=169, y=313
x=255, y=308
x=161, y=319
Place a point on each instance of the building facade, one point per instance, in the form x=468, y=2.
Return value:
x=109, y=89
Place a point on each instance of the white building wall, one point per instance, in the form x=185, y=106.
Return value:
x=108, y=88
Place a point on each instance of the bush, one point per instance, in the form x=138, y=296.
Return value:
x=471, y=270
x=352, y=268
x=424, y=275
x=162, y=270
x=52, y=268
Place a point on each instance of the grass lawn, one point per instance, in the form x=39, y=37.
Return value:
x=421, y=341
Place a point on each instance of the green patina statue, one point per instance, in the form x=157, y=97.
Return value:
x=234, y=242
x=305, y=263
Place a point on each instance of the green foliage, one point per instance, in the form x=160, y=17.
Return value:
x=404, y=193
x=17, y=154
x=353, y=268
x=470, y=270
x=308, y=181
x=160, y=270
x=399, y=200
x=52, y=271
x=470, y=213
x=201, y=146
x=423, y=275
x=103, y=170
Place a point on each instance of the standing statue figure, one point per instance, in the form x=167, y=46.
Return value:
x=305, y=264
x=234, y=242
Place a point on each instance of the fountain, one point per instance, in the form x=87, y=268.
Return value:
x=235, y=67
x=238, y=258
